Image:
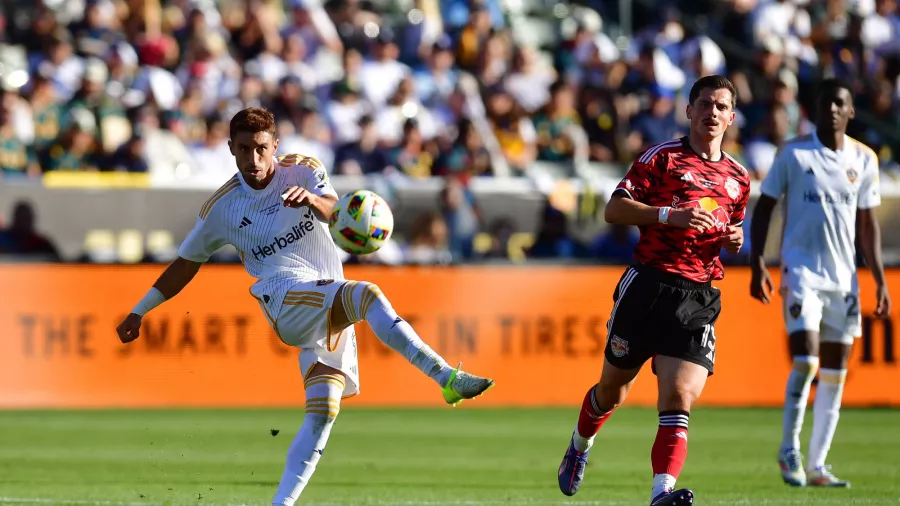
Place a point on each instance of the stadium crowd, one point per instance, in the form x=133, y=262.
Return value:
x=421, y=88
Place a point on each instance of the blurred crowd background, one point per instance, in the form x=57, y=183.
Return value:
x=511, y=91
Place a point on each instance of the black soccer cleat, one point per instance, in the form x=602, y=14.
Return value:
x=683, y=497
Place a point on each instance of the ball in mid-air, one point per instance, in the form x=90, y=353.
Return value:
x=361, y=222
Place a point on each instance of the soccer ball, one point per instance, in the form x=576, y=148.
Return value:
x=361, y=222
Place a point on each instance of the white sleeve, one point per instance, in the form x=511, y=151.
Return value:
x=317, y=180
x=869, y=191
x=775, y=183
x=203, y=240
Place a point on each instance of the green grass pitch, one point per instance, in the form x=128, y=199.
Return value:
x=465, y=456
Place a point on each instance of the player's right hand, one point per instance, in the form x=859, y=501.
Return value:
x=693, y=218
x=130, y=328
x=761, y=286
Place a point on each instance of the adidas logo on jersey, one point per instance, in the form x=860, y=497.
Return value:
x=687, y=177
x=245, y=222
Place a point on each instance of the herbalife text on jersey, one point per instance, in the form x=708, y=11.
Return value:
x=295, y=234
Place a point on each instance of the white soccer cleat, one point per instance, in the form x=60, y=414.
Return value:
x=463, y=385
x=822, y=477
x=791, y=463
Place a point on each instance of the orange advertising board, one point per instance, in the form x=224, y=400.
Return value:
x=538, y=331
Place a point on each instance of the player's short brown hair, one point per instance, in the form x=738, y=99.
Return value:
x=715, y=82
x=253, y=120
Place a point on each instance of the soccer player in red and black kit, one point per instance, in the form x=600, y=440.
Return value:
x=688, y=198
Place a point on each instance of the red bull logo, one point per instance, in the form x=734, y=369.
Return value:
x=720, y=216
x=618, y=346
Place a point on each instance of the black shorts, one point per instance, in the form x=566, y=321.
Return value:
x=657, y=313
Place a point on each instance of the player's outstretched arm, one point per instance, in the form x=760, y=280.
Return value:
x=176, y=276
x=623, y=210
x=870, y=243
x=761, y=286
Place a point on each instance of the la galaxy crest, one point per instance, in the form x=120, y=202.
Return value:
x=852, y=174
x=795, y=310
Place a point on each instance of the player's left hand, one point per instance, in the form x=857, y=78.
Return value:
x=884, y=302
x=733, y=239
x=296, y=196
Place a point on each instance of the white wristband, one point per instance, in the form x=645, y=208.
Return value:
x=664, y=214
x=153, y=298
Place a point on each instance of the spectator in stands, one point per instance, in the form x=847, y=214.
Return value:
x=554, y=141
x=436, y=81
x=77, y=149
x=46, y=111
x=615, y=245
x=363, y=155
x=428, y=241
x=213, y=160
x=756, y=84
x=411, y=157
x=345, y=111
x=467, y=156
x=770, y=137
x=381, y=75
x=16, y=157
x=530, y=80
x=500, y=231
x=22, y=239
x=402, y=105
x=131, y=156
x=188, y=122
x=471, y=39
x=656, y=125
x=553, y=238
x=461, y=216
x=514, y=131
x=785, y=95
x=600, y=120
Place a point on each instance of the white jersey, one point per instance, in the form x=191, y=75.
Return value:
x=823, y=190
x=279, y=246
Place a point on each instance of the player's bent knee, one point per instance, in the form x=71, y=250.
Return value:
x=806, y=365
x=678, y=399
x=358, y=297
x=324, y=390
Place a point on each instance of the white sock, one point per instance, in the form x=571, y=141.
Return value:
x=795, y=397
x=582, y=443
x=323, y=401
x=662, y=483
x=364, y=301
x=826, y=411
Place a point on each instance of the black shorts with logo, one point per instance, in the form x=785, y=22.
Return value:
x=658, y=313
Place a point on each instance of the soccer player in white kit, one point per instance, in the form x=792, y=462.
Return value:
x=829, y=182
x=274, y=211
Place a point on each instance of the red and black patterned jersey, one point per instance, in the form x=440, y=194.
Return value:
x=672, y=174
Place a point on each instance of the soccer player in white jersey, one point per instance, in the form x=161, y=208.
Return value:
x=274, y=211
x=829, y=182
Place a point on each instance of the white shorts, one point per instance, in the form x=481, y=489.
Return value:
x=834, y=315
x=304, y=322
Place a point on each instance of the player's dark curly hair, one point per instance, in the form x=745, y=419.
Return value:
x=253, y=120
x=833, y=85
x=715, y=82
